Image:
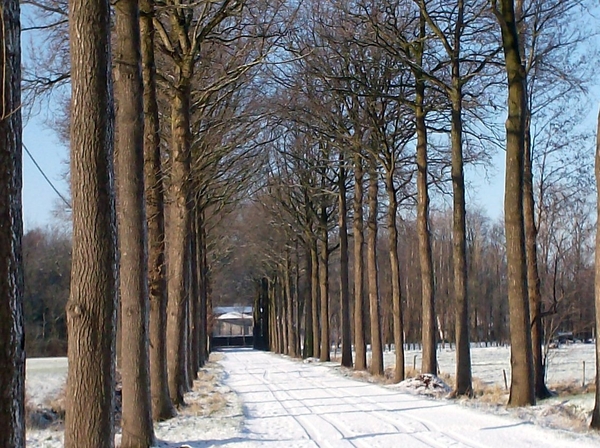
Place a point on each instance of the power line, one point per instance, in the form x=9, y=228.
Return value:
x=45, y=177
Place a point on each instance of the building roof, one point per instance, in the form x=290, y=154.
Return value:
x=234, y=315
x=220, y=310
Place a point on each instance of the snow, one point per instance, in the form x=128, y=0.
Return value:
x=234, y=315
x=246, y=398
x=44, y=379
x=565, y=364
x=299, y=404
x=424, y=384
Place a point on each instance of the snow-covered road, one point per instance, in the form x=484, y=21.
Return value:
x=294, y=404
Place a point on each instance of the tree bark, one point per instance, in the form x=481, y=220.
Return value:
x=314, y=287
x=308, y=315
x=299, y=303
x=324, y=285
x=395, y=273
x=12, y=334
x=280, y=301
x=344, y=289
x=533, y=278
x=162, y=407
x=522, y=378
x=459, y=227
x=91, y=309
x=189, y=374
x=360, y=346
x=132, y=236
x=595, y=422
x=195, y=317
x=291, y=332
x=372, y=274
x=177, y=244
x=274, y=341
x=283, y=298
x=429, y=361
x=203, y=286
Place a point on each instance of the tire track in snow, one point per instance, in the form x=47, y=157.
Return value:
x=424, y=430
x=316, y=428
x=312, y=429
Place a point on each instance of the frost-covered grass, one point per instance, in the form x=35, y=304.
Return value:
x=213, y=411
x=570, y=375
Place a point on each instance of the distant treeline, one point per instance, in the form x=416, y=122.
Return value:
x=47, y=268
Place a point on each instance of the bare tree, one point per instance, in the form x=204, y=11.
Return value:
x=91, y=316
x=12, y=357
x=132, y=235
x=429, y=361
x=595, y=423
x=344, y=290
x=522, y=380
x=181, y=40
x=372, y=271
x=360, y=347
x=162, y=407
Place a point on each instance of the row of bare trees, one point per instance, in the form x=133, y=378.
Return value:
x=389, y=100
x=164, y=135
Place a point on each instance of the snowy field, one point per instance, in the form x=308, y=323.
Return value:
x=44, y=379
x=565, y=364
x=248, y=399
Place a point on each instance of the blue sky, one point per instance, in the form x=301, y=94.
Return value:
x=39, y=200
x=38, y=197
x=485, y=187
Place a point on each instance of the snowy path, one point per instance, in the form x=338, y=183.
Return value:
x=294, y=404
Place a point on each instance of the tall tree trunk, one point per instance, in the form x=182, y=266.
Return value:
x=395, y=273
x=595, y=423
x=136, y=417
x=162, y=407
x=274, y=346
x=372, y=274
x=324, y=285
x=91, y=309
x=203, y=286
x=522, y=378
x=314, y=287
x=360, y=346
x=298, y=302
x=459, y=227
x=429, y=361
x=276, y=315
x=291, y=333
x=194, y=298
x=308, y=314
x=283, y=297
x=281, y=328
x=344, y=289
x=177, y=244
x=12, y=335
x=533, y=278
x=188, y=314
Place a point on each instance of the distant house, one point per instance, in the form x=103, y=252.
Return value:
x=232, y=321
